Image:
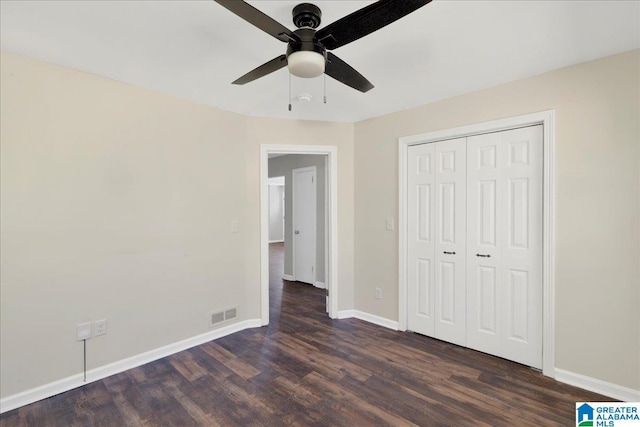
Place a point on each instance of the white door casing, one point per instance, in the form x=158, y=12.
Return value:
x=303, y=192
x=331, y=229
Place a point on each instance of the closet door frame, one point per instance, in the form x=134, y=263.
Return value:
x=547, y=120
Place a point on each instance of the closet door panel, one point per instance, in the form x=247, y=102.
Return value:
x=450, y=240
x=522, y=245
x=421, y=240
x=484, y=232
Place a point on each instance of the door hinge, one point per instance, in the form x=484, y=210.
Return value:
x=312, y=269
x=312, y=180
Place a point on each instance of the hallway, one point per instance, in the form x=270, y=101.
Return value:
x=290, y=299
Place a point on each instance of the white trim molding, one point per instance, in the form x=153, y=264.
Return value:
x=276, y=241
x=331, y=278
x=288, y=277
x=367, y=317
x=320, y=285
x=598, y=386
x=547, y=119
x=47, y=390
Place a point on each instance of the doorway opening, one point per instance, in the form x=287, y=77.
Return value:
x=306, y=253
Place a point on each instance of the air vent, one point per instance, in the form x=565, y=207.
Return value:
x=223, y=315
x=230, y=313
x=217, y=317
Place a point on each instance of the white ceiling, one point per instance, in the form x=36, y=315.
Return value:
x=194, y=49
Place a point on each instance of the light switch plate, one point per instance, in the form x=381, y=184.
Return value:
x=235, y=227
x=83, y=331
x=390, y=224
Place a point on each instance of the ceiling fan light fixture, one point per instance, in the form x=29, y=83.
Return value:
x=306, y=64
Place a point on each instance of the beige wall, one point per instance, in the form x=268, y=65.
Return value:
x=116, y=204
x=598, y=212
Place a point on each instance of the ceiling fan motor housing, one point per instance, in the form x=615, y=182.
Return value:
x=306, y=15
x=307, y=42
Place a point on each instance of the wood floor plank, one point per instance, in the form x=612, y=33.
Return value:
x=377, y=415
x=305, y=369
x=185, y=363
x=198, y=415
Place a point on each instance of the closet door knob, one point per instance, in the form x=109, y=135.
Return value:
x=483, y=256
x=449, y=253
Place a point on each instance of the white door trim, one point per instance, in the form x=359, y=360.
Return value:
x=331, y=190
x=547, y=119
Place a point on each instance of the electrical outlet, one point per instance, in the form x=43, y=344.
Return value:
x=235, y=226
x=100, y=327
x=83, y=331
x=378, y=293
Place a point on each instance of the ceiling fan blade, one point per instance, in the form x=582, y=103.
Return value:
x=252, y=15
x=267, y=68
x=365, y=21
x=344, y=73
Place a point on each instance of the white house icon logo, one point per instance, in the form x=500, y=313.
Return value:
x=584, y=416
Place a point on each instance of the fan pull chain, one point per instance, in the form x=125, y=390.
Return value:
x=289, y=91
x=325, y=88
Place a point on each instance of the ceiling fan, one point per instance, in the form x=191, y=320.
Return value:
x=307, y=48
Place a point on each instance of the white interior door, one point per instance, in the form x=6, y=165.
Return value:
x=304, y=224
x=484, y=243
x=436, y=244
x=450, y=241
x=474, y=227
x=421, y=239
x=504, y=274
x=522, y=245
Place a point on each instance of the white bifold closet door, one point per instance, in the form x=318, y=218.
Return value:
x=421, y=183
x=436, y=229
x=504, y=242
x=475, y=242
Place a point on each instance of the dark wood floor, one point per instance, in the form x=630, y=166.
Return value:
x=305, y=369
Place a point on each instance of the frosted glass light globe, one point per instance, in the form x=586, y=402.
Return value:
x=306, y=64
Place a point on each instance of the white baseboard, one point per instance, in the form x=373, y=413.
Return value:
x=42, y=392
x=367, y=317
x=320, y=285
x=276, y=241
x=346, y=314
x=598, y=386
x=288, y=277
x=47, y=390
